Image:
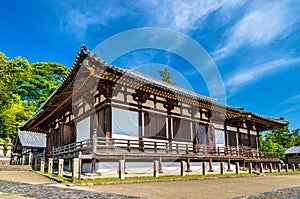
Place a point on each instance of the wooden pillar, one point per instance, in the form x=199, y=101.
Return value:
x=140, y=128
x=160, y=165
x=182, y=168
x=257, y=141
x=226, y=135
x=108, y=119
x=75, y=170
x=237, y=168
x=188, y=165
x=239, y=142
x=249, y=136
x=60, y=167
x=95, y=139
x=50, y=165
x=270, y=167
x=286, y=167
x=221, y=168
x=30, y=157
x=23, y=158
x=298, y=167
x=36, y=164
x=261, y=167
x=122, y=169
x=42, y=167
x=155, y=168
x=279, y=167
x=210, y=165
x=204, y=168
x=293, y=168
x=228, y=164
x=250, y=168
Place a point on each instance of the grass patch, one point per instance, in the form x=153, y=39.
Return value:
x=283, y=173
x=160, y=178
x=63, y=179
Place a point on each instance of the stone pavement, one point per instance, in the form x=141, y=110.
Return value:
x=25, y=184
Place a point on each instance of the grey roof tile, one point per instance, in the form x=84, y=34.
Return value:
x=30, y=139
x=293, y=150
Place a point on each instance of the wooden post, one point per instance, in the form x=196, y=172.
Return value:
x=221, y=168
x=250, y=168
x=261, y=167
x=94, y=150
x=237, y=168
x=279, y=167
x=188, y=165
x=182, y=166
x=60, y=167
x=228, y=164
x=50, y=165
x=298, y=167
x=75, y=170
x=210, y=165
x=266, y=166
x=36, y=164
x=155, y=168
x=23, y=159
x=122, y=169
x=286, y=167
x=204, y=168
x=160, y=165
x=42, y=168
x=270, y=167
x=293, y=168
x=30, y=157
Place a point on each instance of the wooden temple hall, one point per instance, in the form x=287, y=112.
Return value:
x=101, y=113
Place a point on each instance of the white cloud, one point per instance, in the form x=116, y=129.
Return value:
x=76, y=18
x=292, y=109
x=243, y=77
x=262, y=24
x=178, y=15
x=294, y=98
x=186, y=15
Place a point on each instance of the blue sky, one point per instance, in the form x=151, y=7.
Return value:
x=254, y=44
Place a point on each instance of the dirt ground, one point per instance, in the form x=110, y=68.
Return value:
x=203, y=188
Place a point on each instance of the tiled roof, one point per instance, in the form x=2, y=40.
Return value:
x=293, y=150
x=30, y=139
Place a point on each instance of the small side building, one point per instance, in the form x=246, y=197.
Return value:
x=29, y=145
x=293, y=155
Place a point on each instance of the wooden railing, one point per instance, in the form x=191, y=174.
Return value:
x=98, y=145
x=84, y=146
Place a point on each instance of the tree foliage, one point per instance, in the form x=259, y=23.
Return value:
x=166, y=76
x=279, y=140
x=24, y=87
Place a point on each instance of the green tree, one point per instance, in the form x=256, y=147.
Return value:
x=279, y=140
x=43, y=80
x=166, y=76
x=23, y=88
x=12, y=73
